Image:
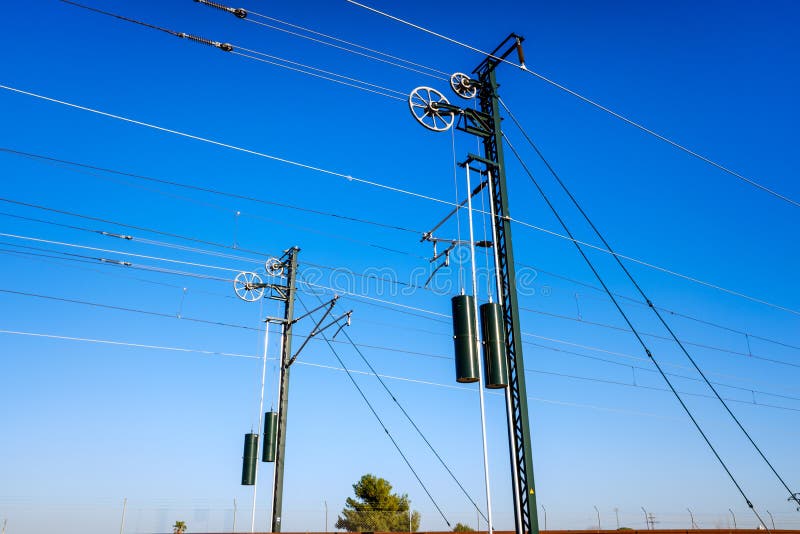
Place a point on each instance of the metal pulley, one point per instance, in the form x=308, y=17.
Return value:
x=274, y=267
x=426, y=104
x=248, y=286
x=463, y=85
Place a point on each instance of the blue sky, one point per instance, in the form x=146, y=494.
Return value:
x=86, y=424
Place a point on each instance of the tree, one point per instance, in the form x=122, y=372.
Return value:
x=179, y=527
x=461, y=527
x=376, y=508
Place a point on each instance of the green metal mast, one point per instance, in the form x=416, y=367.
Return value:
x=519, y=435
x=283, y=397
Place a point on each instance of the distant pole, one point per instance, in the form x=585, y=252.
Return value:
x=326, y=515
x=409, y=517
x=734, y=518
x=616, y=513
x=691, y=516
x=121, y=523
x=234, y=515
x=771, y=519
x=545, y=515
x=5, y=522
x=646, y=520
x=598, y=518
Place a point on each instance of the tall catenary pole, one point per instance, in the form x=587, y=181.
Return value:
x=519, y=436
x=283, y=394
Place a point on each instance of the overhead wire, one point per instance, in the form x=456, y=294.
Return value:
x=587, y=100
x=274, y=60
x=657, y=336
x=299, y=362
x=792, y=495
x=396, y=190
x=393, y=304
x=361, y=297
x=435, y=73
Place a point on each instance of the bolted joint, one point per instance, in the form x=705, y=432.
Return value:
x=240, y=13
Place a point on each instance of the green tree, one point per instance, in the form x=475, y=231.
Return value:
x=461, y=527
x=179, y=527
x=376, y=508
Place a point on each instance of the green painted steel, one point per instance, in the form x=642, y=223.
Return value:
x=249, y=459
x=465, y=338
x=270, y=437
x=494, y=346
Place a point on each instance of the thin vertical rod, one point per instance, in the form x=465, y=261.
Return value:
x=122, y=521
x=233, y=529
x=481, y=378
x=260, y=417
x=509, y=402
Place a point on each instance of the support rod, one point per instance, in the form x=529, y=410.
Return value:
x=260, y=412
x=481, y=374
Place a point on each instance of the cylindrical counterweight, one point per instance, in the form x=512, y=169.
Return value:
x=494, y=346
x=270, y=437
x=249, y=459
x=465, y=338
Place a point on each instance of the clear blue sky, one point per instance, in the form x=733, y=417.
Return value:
x=85, y=425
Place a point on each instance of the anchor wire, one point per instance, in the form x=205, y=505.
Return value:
x=645, y=298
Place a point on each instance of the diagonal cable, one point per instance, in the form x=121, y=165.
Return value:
x=378, y=417
x=410, y=420
x=681, y=345
x=634, y=330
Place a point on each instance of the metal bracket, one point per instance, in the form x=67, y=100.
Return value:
x=319, y=329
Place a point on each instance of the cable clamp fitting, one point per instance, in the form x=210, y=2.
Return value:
x=239, y=12
x=119, y=236
x=226, y=47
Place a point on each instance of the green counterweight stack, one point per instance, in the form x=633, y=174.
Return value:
x=270, y=437
x=494, y=346
x=249, y=459
x=465, y=338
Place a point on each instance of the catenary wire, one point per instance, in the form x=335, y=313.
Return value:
x=329, y=214
x=792, y=495
x=595, y=104
x=82, y=258
x=324, y=77
x=310, y=364
x=392, y=189
x=410, y=65
x=281, y=62
x=209, y=190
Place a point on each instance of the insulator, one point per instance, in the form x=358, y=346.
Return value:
x=465, y=338
x=494, y=346
x=239, y=12
x=520, y=53
x=202, y=40
x=270, y=437
x=249, y=459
